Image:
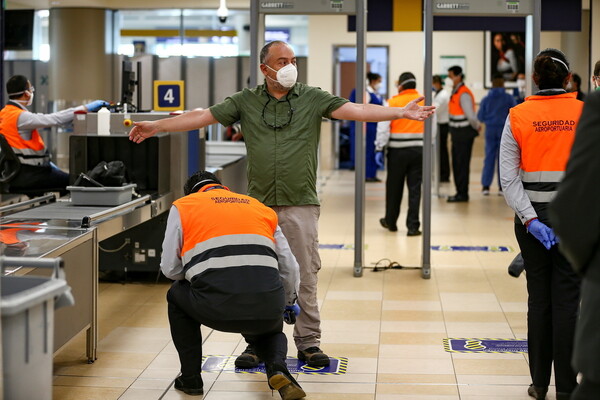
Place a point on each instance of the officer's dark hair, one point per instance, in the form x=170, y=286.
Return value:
x=404, y=77
x=597, y=68
x=264, y=52
x=457, y=70
x=551, y=69
x=373, y=76
x=438, y=79
x=16, y=84
x=198, y=180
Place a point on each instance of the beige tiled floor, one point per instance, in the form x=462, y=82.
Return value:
x=390, y=324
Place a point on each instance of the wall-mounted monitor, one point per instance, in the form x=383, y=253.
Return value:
x=18, y=29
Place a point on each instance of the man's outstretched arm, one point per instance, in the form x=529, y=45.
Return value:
x=375, y=113
x=188, y=121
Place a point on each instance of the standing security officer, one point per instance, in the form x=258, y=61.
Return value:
x=464, y=128
x=404, y=141
x=535, y=146
x=234, y=272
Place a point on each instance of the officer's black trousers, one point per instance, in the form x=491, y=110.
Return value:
x=553, y=289
x=444, y=158
x=462, y=146
x=185, y=318
x=404, y=164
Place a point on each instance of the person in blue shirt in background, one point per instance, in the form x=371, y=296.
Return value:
x=372, y=97
x=493, y=111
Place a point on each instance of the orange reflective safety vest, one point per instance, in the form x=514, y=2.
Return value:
x=228, y=254
x=9, y=233
x=544, y=128
x=456, y=114
x=33, y=151
x=405, y=132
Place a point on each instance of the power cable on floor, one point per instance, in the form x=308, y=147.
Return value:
x=386, y=263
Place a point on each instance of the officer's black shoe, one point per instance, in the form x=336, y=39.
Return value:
x=313, y=357
x=413, y=232
x=383, y=223
x=248, y=359
x=280, y=379
x=191, y=385
x=538, y=393
x=563, y=396
x=458, y=199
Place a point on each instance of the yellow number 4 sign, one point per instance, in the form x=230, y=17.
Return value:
x=168, y=95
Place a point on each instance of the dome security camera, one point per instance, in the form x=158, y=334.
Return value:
x=222, y=12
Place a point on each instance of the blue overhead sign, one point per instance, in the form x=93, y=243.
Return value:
x=168, y=95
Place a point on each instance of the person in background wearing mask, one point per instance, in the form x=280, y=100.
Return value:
x=371, y=97
x=493, y=111
x=535, y=146
x=281, y=121
x=596, y=76
x=576, y=87
x=441, y=98
x=464, y=128
x=20, y=128
x=519, y=91
x=403, y=139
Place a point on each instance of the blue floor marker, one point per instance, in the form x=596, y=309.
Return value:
x=493, y=249
x=477, y=345
x=337, y=366
x=336, y=246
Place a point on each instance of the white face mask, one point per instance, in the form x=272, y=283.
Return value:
x=521, y=83
x=377, y=86
x=30, y=101
x=448, y=82
x=286, y=76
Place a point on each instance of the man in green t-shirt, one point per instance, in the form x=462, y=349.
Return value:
x=281, y=123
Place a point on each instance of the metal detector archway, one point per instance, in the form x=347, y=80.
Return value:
x=532, y=10
x=258, y=10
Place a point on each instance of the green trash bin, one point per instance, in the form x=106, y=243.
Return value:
x=27, y=308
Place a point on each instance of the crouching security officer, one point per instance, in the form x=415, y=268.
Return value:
x=234, y=272
x=20, y=128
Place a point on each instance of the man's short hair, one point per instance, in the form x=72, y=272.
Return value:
x=198, y=180
x=498, y=80
x=437, y=79
x=16, y=84
x=456, y=70
x=264, y=52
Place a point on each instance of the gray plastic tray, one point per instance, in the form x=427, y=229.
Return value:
x=101, y=196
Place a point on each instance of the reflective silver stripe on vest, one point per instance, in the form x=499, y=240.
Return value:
x=542, y=176
x=540, y=197
x=459, y=122
x=226, y=240
x=400, y=140
x=228, y=262
x=405, y=143
x=32, y=157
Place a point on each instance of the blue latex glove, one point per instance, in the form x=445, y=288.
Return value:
x=96, y=105
x=290, y=313
x=379, y=159
x=543, y=233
